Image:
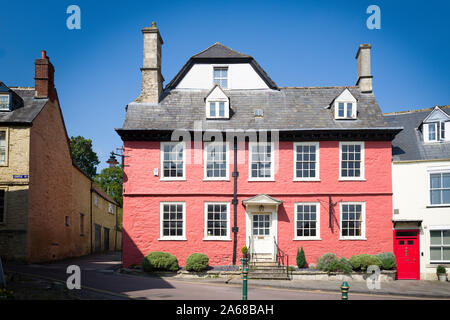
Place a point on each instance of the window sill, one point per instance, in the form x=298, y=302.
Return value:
x=216, y=239
x=172, y=239
x=262, y=180
x=344, y=239
x=306, y=180
x=168, y=179
x=306, y=239
x=435, y=264
x=439, y=206
x=209, y=179
x=351, y=179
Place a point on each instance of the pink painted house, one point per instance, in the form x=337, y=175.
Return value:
x=222, y=157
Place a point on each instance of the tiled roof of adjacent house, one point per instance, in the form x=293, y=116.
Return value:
x=408, y=144
x=284, y=109
x=26, y=113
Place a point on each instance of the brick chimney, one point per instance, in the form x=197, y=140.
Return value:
x=44, y=77
x=364, y=81
x=152, y=79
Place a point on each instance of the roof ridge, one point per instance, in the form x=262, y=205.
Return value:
x=415, y=111
x=222, y=45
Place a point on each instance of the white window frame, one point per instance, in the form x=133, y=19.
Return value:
x=438, y=228
x=6, y=130
x=272, y=163
x=162, y=237
x=216, y=106
x=5, y=189
x=228, y=75
x=346, y=102
x=8, y=105
x=96, y=199
x=363, y=221
x=362, y=168
x=110, y=208
x=317, y=236
x=205, y=162
x=216, y=238
x=436, y=170
x=317, y=176
x=162, y=177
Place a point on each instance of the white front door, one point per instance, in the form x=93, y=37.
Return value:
x=262, y=235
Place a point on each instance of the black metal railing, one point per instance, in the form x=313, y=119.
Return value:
x=249, y=252
x=281, y=257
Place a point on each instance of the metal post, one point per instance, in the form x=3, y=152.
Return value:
x=244, y=277
x=344, y=290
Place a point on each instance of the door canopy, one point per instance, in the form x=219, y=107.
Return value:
x=262, y=200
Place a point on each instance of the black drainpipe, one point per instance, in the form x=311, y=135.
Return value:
x=235, y=201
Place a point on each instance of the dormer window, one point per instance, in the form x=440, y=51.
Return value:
x=436, y=126
x=217, y=104
x=4, y=102
x=221, y=76
x=345, y=106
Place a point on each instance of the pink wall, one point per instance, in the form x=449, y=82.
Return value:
x=143, y=193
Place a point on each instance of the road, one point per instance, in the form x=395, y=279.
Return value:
x=97, y=275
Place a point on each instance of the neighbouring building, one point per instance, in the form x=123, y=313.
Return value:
x=321, y=179
x=47, y=209
x=421, y=184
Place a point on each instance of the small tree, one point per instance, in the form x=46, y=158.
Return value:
x=83, y=155
x=301, y=260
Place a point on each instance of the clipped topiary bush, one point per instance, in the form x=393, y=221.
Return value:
x=197, y=262
x=362, y=261
x=301, y=260
x=387, y=260
x=341, y=265
x=160, y=261
x=324, y=261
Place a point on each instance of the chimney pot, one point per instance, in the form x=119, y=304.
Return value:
x=153, y=24
x=43, y=54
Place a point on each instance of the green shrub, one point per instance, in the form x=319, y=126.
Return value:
x=362, y=261
x=197, y=262
x=160, y=261
x=244, y=250
x=440, y=270
x=301, y=260
x=324, y=261
x=387, y=260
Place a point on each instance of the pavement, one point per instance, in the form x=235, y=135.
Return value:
x=98, y=274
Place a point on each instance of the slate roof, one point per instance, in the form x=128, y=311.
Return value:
x=284, y=109
x=408, y=144
x=25, y=114
x=219, y=53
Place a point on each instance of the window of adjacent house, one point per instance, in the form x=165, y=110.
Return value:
x=217, y=109
x=221, y=76
x=217, y=221
x=67, y=221
x=4, y=102
x=216, y=161
x=2, y=148
x=440, y=188
x=172, y=161
x=172, y=221
x=345, y=110
x=261, y=158
x=81, y=224
x=352, y=220
x=95, y=199
x=436, y=131
x=306, y=161
x=351, y=160
x=110, y=208
x=307, y=217
x=2, y=205
x=440, y=246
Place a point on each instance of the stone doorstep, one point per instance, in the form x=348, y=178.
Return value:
x=386, y=275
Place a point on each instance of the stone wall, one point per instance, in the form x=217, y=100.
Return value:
x=102, y=217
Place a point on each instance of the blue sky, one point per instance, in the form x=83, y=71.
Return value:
x=298, y=43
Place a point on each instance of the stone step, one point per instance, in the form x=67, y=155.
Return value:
x=266, y=267
x=269, y=276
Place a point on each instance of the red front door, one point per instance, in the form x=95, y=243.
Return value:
x=407, y=253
